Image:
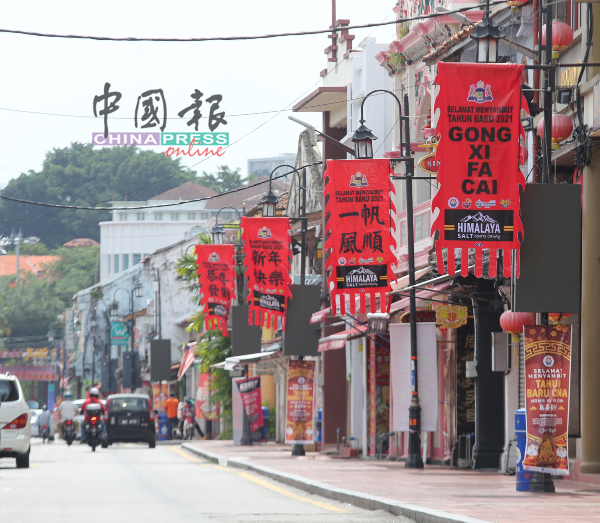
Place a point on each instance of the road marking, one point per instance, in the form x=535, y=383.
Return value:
x=289, y=494
x=185, y=454
x=35, y=464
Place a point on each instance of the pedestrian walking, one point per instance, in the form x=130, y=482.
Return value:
x=171, y=405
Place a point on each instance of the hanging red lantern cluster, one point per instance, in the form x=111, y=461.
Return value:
x=562, y=127
x=562, y=37
x=513, y=322
x=515, y=4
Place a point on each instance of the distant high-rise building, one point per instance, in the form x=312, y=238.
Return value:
x=264, y=166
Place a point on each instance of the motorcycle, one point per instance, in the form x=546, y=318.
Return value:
x=93, y=428
x=188, y=426
x=45, y=433
x=69, y=432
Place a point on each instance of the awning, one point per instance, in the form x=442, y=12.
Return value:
x=186, y=361
x=323, y=99
x=231, y=362
x=339, y=339
x=423, y=295
x=319, y=316
x=404, y=282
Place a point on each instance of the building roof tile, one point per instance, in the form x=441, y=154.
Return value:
x=187, y=191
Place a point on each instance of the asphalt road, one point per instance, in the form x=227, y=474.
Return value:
x=132, y=483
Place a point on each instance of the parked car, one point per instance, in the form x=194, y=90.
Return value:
x=129, y=417
x=15, y=426
x=33, y=416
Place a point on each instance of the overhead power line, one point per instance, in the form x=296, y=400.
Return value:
x=241, y=38
x=206, y=198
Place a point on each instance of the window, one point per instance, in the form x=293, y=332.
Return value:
x=116, y=264
x=8, y=391
x=137, y=258
x=203, y=215
x=422, y=226
x=425, y=226
x=174, y=216
x=125, y=262
x=158, y=216
x=141, y=216
x=123, y=216
x=403, y=233
x=191, y=215
x=418, y=227
x=108, y=264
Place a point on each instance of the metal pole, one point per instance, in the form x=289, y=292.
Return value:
x=159, y=306
x=304, y=222
x=18, y=244
x=414, y=460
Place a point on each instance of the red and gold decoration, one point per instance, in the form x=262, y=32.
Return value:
x=562, y=127
x=515, y=4
x=558, y=317
x=359, y=228
x=513, y=323
x=217, y=281
x=547, y=382
x=451, y=316
x=562, y=37
x=267, y=255
x=478, y=154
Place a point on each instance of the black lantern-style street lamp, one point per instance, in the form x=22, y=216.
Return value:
x=363, y=141
x=218, y=234
x=113, y=309
x=487, y=36
x=138, y=290
x=269, y=203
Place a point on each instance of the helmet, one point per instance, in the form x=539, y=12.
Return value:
x=190, y=401
x=94, y=392
x=45, y=407
x=68, y=395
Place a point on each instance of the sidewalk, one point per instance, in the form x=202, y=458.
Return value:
x=436, y=494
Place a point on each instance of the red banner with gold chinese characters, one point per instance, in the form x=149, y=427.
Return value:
x=217, y=281
x=267, y=255
x=478, y=180
x=359, y=210
x=547, y=385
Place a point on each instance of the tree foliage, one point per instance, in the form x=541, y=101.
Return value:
x=31, y=308
x=83, y=175
x=223, y=180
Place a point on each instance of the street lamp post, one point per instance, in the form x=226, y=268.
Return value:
x=136, y=292
x=363, y=147
x=269, y=207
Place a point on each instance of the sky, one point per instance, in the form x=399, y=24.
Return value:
x=62, y=76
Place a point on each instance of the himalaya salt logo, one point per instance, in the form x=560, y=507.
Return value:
x=214, y=257
x=264, y=233
x=478, y=224
x=268, y=302
x=358, y=180
x=361, y=276
x=480, y=93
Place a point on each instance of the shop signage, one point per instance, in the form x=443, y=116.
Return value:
x=451, y=316
x=300, y=402
x=119, y=333
x=359, y=242
x=205, y=408
x=217, y=281
x=430, y=163
x=547, y=382
x=250, y=393
x=160, y=393
x=267, y=254
x=31, y=372
x=478, y=154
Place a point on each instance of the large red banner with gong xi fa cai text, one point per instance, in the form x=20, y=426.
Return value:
x=267, y=255
x=479, y=128
x=359, y=211
x=547, y=385
x=216, y=277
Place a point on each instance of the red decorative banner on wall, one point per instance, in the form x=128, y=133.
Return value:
x=478, y=153
x=359, y=228
x=547, y=384
x=267, y=254
x=216, y=277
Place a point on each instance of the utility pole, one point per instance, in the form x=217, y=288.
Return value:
x=16, y=239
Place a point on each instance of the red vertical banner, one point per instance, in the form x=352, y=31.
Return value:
x=217, y=281
x=360, y=218
x=372, y=399
x=300, y=402
x=547, y=382
x=478, y=152
x=250, y=392
x=267, y=255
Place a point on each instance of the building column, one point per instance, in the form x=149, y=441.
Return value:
x=590, y=326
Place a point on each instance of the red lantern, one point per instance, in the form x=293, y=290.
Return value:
x=515, y=4
x=562, y=127
x=562, y=37
x=514, y=322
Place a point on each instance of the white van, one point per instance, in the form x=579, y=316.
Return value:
x=15, y=428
